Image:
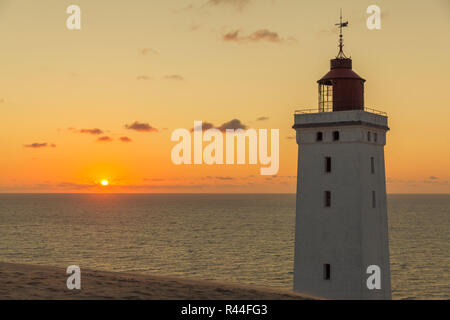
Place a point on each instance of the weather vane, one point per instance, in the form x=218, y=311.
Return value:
x=341, y=25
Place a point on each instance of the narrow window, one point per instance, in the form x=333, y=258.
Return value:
x=374, y=200
x=335, y=135
x=372, y=165
x=326, y=271
x=319, y=136
x=327, y=164
x=375, y=137
x=327, y=198
x=369, y=137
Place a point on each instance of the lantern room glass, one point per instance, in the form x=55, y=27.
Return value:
x=325, y=97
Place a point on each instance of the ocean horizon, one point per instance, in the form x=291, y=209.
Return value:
x=241, y=238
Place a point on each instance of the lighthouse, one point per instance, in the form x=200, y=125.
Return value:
x=341, y=235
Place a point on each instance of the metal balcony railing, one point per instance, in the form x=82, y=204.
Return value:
x=330, y=109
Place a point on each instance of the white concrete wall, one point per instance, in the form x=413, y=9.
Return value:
x=350, y=235
x=341, y=116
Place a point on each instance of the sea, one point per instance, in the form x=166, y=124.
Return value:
x=232, y=238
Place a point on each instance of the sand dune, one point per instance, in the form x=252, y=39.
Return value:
x=23, y=281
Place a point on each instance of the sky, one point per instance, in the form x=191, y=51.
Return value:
x=100, y=103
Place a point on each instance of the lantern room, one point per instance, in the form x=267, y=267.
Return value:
x=341, y=88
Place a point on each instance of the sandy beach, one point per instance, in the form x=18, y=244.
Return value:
x=24, y=281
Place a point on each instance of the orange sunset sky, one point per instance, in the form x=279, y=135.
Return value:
x=69, y=99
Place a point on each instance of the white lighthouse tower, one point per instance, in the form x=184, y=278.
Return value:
x=341, y=238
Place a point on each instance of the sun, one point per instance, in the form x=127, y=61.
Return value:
x=104, y=183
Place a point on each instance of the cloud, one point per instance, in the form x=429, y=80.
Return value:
x=125, y=139
x=231, y=36
x=142, y=77
x=71, y=185
x=167, y=186
x=104, y=139
x=205, y=126
x=257, y=36
x=221, y=178
x=432, y=180
x=233, y=124
x=37, y=145
x=155, y=179
x=175, y=77
x=265, y=34
x=262, y=119
x=141, y=127
x=147, y=51
x=95, y=131
x=46, y=185
x=236, y=3
x=194, y=27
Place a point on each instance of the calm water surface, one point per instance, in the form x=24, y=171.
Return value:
x=233, y=238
